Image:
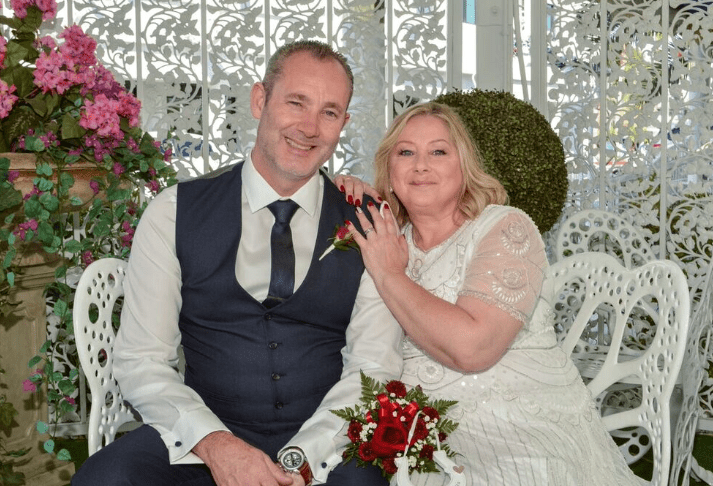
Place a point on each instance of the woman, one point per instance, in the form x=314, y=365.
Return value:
x=463, y=277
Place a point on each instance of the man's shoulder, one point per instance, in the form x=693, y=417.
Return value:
x=216, y=173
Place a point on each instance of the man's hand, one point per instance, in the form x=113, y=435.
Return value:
x=233, y=462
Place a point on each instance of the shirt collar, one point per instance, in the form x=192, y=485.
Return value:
x=259, y=193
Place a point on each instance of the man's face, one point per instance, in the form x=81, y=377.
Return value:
x=301, y=122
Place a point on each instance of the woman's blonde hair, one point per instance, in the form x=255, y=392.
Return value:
x=478, y=189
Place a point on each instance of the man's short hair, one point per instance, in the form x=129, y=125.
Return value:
x=318, y=50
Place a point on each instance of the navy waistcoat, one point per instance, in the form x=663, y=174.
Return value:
x=262, y=372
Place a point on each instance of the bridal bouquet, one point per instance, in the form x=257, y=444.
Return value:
x=380, y=425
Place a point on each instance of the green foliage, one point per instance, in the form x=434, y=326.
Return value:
x=8, y=476
x=127, y=165
x=519, y=148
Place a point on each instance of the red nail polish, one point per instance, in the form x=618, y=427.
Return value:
x=379, y=199
x=370, y=204
x=347, y=222
x=350, y=200
x=357, y=202
x=386, y=206
x=341, y=188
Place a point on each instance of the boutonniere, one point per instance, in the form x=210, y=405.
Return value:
x=341, y=240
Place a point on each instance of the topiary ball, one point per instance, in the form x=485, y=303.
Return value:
x=519, y=148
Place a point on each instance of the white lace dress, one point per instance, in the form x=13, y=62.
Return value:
x=528, y=420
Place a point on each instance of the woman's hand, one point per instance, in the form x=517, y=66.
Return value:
x=383, y=247
x=355, y=188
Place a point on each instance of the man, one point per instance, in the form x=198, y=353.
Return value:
x=263, y=368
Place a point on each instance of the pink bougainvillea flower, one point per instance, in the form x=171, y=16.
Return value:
x=47, y=7
x=87, y=258
x=118, y=169
x=94, y=186
x=29, y=386
x=47, y=41
x=153, y=186
x=7, y=99
x=3, y=51
x=129, y=108
x=12, y=175
x=78, y=46
x=102, y=115
x=23, y=228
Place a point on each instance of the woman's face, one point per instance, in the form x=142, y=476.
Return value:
x=424, y=168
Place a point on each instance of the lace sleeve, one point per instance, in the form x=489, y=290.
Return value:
x=507, y=266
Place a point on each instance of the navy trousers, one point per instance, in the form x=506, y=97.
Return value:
x=140, y=458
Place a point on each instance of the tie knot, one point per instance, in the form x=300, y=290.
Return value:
x=283, y=210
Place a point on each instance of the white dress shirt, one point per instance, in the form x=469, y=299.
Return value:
x=146, y=348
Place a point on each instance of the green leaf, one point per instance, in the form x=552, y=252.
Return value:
x=45, y=233
x=66, y=386
x=45, y=346
x=34, y=144
x=43, y=184
x=49, y=201
x=43, y=168
x=60, y=272
x=33, y=208
x=64, y=455
x=66, y=180
x=42, y=427
x=34, y=361
x=8, y=259
x=49, y=446
x=73, y=246
x=9, y=198
x=60, y=308
x=71, y=128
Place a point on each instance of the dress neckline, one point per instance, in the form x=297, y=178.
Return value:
x=443, y=244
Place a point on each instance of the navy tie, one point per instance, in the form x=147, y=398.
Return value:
x=282, y=275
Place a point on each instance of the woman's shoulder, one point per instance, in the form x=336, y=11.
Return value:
x=499, y=220
x=497, y=212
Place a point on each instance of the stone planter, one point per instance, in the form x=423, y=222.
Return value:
x=21, y=335
x=83, y=172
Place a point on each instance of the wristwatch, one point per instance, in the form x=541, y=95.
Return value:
x=292, y=459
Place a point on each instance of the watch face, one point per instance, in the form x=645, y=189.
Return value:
x=292, y=460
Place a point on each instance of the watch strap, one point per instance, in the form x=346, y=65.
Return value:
x=306, y=473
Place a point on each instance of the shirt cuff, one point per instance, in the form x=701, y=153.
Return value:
x=321, y=453
x=189, y=429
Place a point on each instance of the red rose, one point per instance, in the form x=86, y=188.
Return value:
x=431, y=412
x=396, y=388
x=389, y=465
x=427, y=452
x=354, y=431
x=442, y=436
x=420, y=432
x=390, y=437
x=342, y=232
x=366, y=452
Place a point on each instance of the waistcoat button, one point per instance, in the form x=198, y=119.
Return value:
x=278, y=405
x=275, y=376
x=272, y=345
